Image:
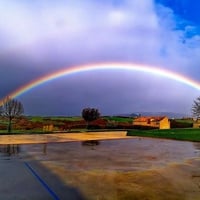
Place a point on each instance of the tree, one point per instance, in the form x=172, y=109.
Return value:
x=11, y=109
x=196, y=108
x=90, y=114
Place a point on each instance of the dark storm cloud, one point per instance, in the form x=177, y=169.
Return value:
x=111, y=92
x=40, y=37
x=16, y=70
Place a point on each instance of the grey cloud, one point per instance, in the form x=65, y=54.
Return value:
x=45, y=37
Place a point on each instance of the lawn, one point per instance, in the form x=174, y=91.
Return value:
x=177, y=134
x=189, y=121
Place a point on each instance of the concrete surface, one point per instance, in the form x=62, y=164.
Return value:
x=23, y=177
x=28, y=180
x=61, y=137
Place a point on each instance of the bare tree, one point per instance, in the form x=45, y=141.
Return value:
x=90, y=114
x=11, y=109
x=196, y=108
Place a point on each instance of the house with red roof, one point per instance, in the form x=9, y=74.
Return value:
x=159, y=122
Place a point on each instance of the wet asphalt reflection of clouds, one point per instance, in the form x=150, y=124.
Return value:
x=135, y=154
x=170, y=163
x=124, y=154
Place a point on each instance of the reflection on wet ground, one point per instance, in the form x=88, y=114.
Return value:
x=138, y=168
x=197, y=146
x=10, y=149
x=126, y=154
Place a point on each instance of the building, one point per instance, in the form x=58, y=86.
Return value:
x=196, y=123
x=159, y=122
x=48, y=127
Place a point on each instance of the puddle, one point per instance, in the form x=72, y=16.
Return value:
x=123, y=154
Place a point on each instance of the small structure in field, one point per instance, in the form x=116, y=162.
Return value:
x=159, y=122
x=196, y=123
x=48, y=127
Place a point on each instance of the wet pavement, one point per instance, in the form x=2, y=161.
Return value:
x=142, y=168
x=124, y=154
x=60, y=137
x=23, y=178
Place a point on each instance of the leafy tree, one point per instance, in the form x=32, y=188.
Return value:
x=90, y=114
x=11, y=109
x=196, y=108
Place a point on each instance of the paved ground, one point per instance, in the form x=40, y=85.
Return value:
x=27, y=179
x=22, y=178
x=136, y=168
x=61, y=137
x=18, y=183
x=139, y=168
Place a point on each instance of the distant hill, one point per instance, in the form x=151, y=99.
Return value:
x=168, y=114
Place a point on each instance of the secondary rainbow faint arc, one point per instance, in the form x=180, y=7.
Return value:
x=108, y=66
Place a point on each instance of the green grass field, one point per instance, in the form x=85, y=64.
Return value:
x=119, y=119
x=61, y=118
x=189, y=121
x=177, y=134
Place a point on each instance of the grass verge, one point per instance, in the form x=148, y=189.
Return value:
x=177, y=134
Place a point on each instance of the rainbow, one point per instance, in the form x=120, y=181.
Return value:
x=105, y=66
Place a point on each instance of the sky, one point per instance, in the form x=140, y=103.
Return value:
x=40, y=37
